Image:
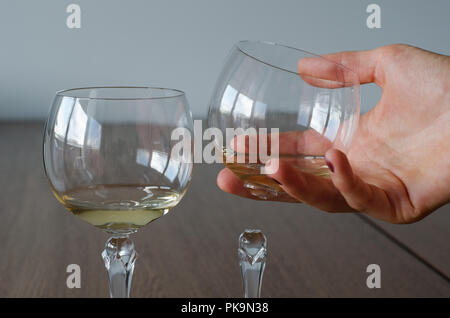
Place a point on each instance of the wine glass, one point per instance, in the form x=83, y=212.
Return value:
x=108, y=158
x=305, y=112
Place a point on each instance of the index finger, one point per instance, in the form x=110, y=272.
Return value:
x=339, y=69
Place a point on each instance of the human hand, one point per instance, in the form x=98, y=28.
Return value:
x=397, y=168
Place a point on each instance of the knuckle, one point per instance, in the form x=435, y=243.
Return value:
x=392, y=49
x=358, y=199
x=391, y=52
x=358, y=205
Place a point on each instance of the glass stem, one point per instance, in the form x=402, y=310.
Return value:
x=252, y=260
x=119, y=257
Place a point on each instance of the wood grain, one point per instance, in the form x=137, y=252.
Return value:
x=191, y=252
x=429, y=238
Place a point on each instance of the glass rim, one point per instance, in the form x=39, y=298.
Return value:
x=241, y=49
x=175, y=92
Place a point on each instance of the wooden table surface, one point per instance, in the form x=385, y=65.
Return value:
x=192, y=251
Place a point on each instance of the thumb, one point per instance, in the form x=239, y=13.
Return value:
x=358, y=194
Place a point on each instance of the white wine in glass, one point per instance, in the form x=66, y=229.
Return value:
x=108, y=159
x=120, y=208
x=251, y=174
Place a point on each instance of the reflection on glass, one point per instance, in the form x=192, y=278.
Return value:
x=320, y=113
x=158, y=161
x=260, y=110
x=142, y=157
x=228, y=98
x=243, y=106
x=172, y=169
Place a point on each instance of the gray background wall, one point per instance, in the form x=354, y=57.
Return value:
x=182, y=44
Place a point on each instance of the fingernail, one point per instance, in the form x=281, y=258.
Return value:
x=330, y=165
